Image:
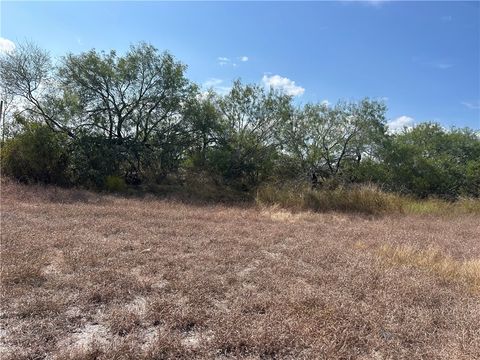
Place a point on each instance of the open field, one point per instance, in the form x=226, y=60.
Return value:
x=89, y=276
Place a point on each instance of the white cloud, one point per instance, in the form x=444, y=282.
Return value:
x=283, y=84
x=222, y=60
x=223, y=90
x=212, y=82
x=216, y=85
x=401, y=122
x=474, y=105
x=446, y=18
x=6, y=45
x=203, y=95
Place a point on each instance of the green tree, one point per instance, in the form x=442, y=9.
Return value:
x=247, y=145
x=205, y=127
x=132, y=96
x=429, y=160
x=135, y=101
x=328, y=142
x=27, y=76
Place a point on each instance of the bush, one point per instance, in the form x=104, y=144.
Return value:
x=472, y=179
x=94, y=158
x=429, y=161
x=36, y=154
x=115, y=184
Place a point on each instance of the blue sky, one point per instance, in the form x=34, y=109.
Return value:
x=422, y=58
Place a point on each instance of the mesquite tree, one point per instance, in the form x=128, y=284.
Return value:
x=251, y=117
x=326, y=140
x=27, y=75
x=133, y=96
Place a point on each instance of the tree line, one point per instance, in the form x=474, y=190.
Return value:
x=99, y=119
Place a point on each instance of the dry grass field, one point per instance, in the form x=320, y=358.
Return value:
x=91, y=276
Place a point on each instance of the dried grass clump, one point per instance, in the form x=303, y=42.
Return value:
x=461, y=206
x=362, y=199
x=366, y=200
x=434, y=260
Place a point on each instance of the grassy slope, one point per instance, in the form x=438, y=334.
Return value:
x=88, y=276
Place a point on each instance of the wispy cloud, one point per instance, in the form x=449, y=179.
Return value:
x=282, y=84
x=400, y=123
x=6, y=45
x=216, y=85
x=474, y=105
x=222, y=60
x=212, y=82
x=222, y=90
x=446, y=18
x=374, y=2
x=441, y=64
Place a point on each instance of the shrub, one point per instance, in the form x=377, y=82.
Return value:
x=36, y=154
x=115, y=184
x=94, y=159
x=429, y=161
x=472, y=179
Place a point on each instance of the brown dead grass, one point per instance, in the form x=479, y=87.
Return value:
x=88, y=276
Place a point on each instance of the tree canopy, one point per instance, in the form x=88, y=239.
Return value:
x=137, y=117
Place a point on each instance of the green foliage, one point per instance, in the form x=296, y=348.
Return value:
x=112, y=121
x=203, y=119
x=472, y=178
x=93, y=158
x=36, y=154
x=115, y=184
x=247, y=143
x=134, y=96
x=330, y=142
x=428, y=160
